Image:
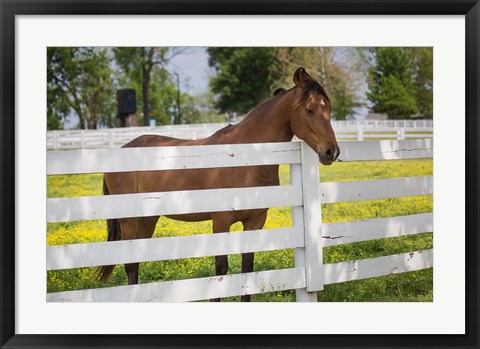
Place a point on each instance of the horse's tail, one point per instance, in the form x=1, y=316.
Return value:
x=113, y=229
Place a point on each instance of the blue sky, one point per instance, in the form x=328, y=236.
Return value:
x=192, y=67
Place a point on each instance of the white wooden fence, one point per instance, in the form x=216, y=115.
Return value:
x=307, y=236
x=383, y=123
x=344, y=130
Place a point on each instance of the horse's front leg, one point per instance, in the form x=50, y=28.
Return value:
x=221, y=224
x=251, y=223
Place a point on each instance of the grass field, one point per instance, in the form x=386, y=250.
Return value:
x=411, y=287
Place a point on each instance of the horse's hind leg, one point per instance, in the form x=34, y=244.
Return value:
x=136, y=228
x=132, y=273
x=251, y=223
x=221, y=224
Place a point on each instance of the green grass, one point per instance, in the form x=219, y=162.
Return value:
x=411, y=287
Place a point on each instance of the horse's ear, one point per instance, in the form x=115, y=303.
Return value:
x=300, y=76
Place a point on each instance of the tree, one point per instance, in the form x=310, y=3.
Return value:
x=57, y=109
x=144, y=69
x=244, y=76
x=391, y=84
x=336, y=69
x=79, y=81
x=421, y=61
x=199, y=109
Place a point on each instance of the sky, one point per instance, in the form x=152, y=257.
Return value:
x=193, y=70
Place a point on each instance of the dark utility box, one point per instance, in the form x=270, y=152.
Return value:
x=126, y=102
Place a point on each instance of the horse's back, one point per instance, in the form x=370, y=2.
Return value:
x=158, y=141
x=225, y=135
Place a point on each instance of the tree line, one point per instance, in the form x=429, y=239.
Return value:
x=82, y=81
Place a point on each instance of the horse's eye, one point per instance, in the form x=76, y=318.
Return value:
x=309, y=111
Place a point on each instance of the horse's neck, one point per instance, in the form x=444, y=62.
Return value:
x=268, y=122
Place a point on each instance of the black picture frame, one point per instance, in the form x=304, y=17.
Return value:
x=10, y=8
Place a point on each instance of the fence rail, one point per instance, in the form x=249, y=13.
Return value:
x=307, y=236
x=346, y=130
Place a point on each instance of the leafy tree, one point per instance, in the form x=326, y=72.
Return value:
x=244, y=76
x=421, y=61
x=337, y=69
x=144, y=69
x=199, y=109
x=162, y=98
x=392, y=88
x=79, y=81
x=57, y=110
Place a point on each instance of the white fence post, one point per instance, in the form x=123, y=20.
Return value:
x=359, y=134
x=299, y=253
x=110, y=139
x=401, y=134
x=82, y=139
x=312, y=219
x=55, y=140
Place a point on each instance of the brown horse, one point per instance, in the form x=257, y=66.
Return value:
x=303, y=111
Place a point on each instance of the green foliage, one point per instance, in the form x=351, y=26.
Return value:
x=393, y=98
x=391, y=84
x=401, y=81
x=199, y=109
x=408, y=287
x=54, y=121
x=162, y=98
x=244, y=76
x=421, y=59
x=79, y=81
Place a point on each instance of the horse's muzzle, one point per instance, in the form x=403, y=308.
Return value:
x=329, y=156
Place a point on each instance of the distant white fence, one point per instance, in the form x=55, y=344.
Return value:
x=307, y=236
x=383, y=123
x=346, y=130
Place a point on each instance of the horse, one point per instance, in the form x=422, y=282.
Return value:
x=303, y=110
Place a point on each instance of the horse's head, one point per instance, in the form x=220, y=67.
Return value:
x=311, y=117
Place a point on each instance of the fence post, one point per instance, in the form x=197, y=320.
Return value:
x=401, y=134
x=82, y=139
x=312, y=219
x=55, y=140
x=359, y=134
x=110, y=139
x=299, y=253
